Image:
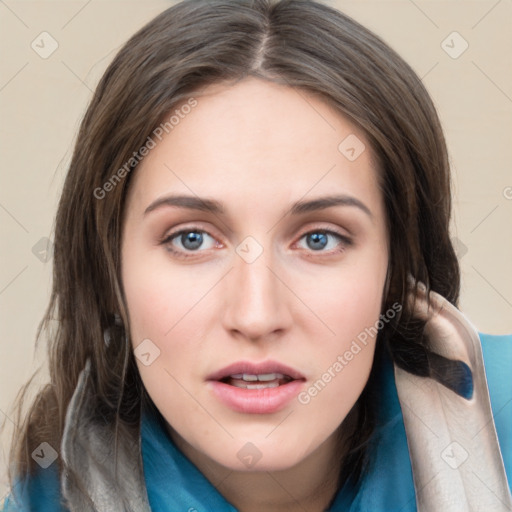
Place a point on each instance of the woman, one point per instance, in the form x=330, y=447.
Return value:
x=255, y=285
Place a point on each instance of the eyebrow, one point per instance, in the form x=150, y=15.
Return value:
x=215, y=207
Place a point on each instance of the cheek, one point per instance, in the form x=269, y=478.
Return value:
x=348, y=301
x=343, y=368
x=165, y=307
x=163, y=323
x=160, y=297
x=345, y=376
x=349, y=305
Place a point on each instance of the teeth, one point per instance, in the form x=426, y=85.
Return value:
x=241, y=384
x=261, y=381
x=270, y=376
x=263, y=377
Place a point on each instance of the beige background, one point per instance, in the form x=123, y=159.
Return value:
x=43, y=100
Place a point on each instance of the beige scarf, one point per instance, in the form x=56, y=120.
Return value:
x=455, y=456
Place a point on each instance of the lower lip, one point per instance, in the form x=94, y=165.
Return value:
x=256, y=401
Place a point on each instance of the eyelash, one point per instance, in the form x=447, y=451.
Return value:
x=167, y=239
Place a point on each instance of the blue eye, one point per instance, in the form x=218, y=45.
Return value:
x=319, y=240
x=190, y=240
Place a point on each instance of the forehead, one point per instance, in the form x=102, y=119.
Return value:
x=259, y=138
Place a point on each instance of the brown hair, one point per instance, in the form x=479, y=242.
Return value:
x=302, y=44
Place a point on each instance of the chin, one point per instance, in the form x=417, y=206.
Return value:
x=257, y=454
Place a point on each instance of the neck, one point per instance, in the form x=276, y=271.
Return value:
x=309, y=485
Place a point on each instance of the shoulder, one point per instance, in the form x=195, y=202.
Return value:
x=39, y=492
x=497, y=351
x=497, y=354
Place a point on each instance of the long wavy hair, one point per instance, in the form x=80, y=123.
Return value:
x=302, y=44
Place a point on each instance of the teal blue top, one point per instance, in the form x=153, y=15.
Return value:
x=173, y=482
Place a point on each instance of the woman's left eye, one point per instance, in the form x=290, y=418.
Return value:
x=321, y=240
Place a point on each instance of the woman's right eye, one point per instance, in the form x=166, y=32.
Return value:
x=189, y=240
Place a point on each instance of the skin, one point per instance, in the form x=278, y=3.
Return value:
x=257, y=147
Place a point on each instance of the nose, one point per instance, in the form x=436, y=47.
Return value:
x=257, y=301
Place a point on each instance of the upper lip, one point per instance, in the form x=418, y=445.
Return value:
x=252, y=368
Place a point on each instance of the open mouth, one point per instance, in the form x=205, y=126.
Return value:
x=256, y=388
x=260, y=381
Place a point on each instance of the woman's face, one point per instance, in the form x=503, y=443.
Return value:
x=254, y=259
